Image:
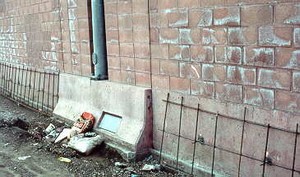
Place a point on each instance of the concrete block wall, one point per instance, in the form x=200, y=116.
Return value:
x=128, y=38
x=235, y=51
x=76, y=36
x=239, y=51
x=46, y=34
x=224, y=55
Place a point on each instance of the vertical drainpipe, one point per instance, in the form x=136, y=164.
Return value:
x=99, y=41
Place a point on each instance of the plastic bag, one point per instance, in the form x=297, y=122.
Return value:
x=83, y=144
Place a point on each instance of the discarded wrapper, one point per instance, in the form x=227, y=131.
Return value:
x=50, y=128
x=24, y=157
x=130, y=169
x=63, y=159
x=74, y=131
x=135, y=175
x=148, y=167
x=121, y=165
x=52, y=136
x=63, y=135
x=90, y=134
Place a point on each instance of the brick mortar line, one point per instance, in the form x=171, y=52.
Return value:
x=61, y=35
x=150, y=43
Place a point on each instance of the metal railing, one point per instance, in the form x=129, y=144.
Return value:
x=29, y=87
x=264, y=160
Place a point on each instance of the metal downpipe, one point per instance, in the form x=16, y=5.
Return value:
x=99, y=41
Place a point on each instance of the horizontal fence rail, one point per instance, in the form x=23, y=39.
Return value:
x=29, y=87
x=265, y=160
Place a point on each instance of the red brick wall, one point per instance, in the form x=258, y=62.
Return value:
x=223, y=54
x=238, y=51
x=46, y=34
x=127, y=35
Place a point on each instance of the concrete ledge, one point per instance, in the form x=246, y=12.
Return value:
x=169, y=162
x=134, y=104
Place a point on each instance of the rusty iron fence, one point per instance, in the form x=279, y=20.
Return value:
x=37, y=90
x=265, y=160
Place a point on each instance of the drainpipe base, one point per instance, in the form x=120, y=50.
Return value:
x=101, y=77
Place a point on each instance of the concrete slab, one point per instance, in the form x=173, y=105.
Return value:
x=134, y=104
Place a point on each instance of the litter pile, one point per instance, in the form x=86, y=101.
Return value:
x=82, y=139
x=79, y=137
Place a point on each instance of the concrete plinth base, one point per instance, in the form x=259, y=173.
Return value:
x=133, y=104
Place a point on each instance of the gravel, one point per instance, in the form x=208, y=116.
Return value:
x=21, y=134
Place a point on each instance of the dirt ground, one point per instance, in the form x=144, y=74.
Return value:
x=19, y=137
